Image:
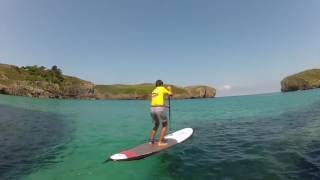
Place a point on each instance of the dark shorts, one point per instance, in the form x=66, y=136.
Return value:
x=158, y=114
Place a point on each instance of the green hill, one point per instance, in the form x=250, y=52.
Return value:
x=137, y=91
x=39, y=81
x=35, y=81
x=308, y=79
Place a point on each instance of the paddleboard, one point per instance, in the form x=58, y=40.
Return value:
x=147, y=149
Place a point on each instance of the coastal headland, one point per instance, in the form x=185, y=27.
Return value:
x=42, y=82
x=309, y=79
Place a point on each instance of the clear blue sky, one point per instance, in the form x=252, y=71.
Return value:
x=238, y=47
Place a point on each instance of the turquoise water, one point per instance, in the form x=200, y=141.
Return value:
x=271, y=136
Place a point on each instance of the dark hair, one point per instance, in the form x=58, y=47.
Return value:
x=159, y=83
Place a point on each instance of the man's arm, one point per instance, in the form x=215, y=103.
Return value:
x=169, y=90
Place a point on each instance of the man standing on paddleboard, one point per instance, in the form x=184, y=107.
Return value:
x=158, y=111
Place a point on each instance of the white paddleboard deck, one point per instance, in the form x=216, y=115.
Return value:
x=147, y=149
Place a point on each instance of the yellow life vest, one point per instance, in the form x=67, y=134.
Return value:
x=158, y=95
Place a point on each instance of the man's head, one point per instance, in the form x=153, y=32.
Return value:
x=159, y=83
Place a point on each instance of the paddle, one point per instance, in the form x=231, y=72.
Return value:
x=169, y=106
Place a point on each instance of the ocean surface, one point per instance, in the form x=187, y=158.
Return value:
x=269, y=137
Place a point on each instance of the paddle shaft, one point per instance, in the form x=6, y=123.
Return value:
x=169, y=104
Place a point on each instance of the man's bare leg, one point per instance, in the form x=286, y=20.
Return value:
x=162, y=134
x=153, y=132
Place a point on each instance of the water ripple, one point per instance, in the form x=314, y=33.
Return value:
x=279, y=147
x=29, y=140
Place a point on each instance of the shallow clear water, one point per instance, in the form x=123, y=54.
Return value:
x=272, y=136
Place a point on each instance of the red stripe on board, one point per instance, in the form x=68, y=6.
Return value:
x=129, y=154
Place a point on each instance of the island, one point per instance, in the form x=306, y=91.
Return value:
x=42, y=82
x=305, y=80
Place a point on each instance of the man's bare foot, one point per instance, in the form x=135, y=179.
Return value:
x=162, y=144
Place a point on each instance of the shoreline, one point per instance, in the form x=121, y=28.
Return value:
x=41, y=82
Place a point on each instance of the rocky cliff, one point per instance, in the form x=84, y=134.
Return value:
x=201, y=91
x=308, y=79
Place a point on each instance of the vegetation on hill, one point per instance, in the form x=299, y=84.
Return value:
x=38, y=81
x=41, y=73
x=31, y=73
x=137, y=91
x=308, y=79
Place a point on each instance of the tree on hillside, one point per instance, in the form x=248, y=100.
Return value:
x=42, y=68
x=57, y=72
